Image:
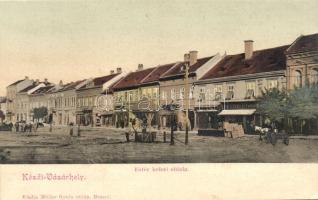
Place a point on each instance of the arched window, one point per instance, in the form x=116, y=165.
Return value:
x=314, y=75
x=298, y=79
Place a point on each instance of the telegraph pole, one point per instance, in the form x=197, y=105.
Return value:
x=187, y=98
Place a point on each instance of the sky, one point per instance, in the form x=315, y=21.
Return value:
x=72, y=40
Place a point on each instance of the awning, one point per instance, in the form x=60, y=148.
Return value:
x=238, y=112
x=208, y=110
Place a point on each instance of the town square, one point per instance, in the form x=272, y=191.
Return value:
x=255, y=101
x=158, y=99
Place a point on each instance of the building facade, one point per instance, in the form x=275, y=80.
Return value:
x=229, y=90
x=12, y=91
x=302, y=61
x=62, y=103
x=24, y=111
x=127, y=95
x=173, y=88
x=88, y=111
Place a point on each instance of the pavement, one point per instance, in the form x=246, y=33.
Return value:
x=108, y=145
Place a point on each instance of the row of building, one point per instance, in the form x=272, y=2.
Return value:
x=219, y=85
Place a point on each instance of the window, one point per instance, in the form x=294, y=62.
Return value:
x=163, y=95
x=173, y=94
x=218, y=93
x=155, y=92
x=182, y=92
x=201, y=94
x=298, y=79
x=272, y=83
x=315, y=75
x=250, y=90
x=191, y=92
x=230, y=92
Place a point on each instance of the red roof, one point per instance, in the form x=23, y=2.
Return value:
x=265, y=60
x=178, y=69
x=304, y=44
x=157, y=73
x=133, y=79
x=103, y=79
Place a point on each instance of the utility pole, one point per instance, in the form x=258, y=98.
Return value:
x=187, y=98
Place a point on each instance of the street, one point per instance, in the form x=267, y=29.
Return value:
x=101, y=145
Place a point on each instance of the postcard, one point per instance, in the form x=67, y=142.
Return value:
x=208, y=99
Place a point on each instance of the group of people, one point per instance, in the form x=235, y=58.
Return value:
x=23, y=126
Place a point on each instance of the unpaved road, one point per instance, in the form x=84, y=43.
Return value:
x=109, y=146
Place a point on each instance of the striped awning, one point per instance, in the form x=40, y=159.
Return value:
x=238, y=112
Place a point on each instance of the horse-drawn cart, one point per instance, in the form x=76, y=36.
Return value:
x=271, y=136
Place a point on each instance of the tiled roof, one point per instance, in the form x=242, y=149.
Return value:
x=70, y=86
x=99, y=81
x=178, y=69
x=103, y=79
x=34, y=85
x=28, y=88
x=157, y=73
x=304, y=44
x=43, y=90
x=133, y=79
x=15, y=83
x=265, y=60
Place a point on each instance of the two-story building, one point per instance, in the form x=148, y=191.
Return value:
x=23, y=102
x=172, y=87
x=62, y=102
x=89, y=111
x=40, y=99
x=12, y=91
x=230, y=88
x=127, y=95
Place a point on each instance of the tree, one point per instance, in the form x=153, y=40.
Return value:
x=273, y=104
x=40, y=113
x=303, y=104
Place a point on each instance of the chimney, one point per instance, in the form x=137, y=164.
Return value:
x=112, y=72
x=26, y=78
x=37, y=81
x=140, y=67
x=45, y=81
x=248, y=49
x=119, y=70
x=186, y=57
x=193, y=57
x=61, y=83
